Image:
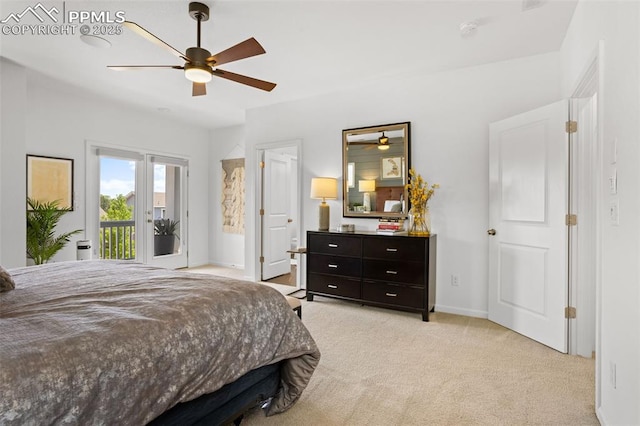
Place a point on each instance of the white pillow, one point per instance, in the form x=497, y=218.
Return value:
x=392, y=206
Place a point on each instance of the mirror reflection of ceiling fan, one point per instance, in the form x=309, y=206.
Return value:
x=382, y=143
x=200, y=65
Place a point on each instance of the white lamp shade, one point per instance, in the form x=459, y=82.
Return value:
x=324, y=188
x=366, y=185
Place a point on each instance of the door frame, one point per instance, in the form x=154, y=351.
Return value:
x=92, y=191
x=259, y=150
x=588, y=83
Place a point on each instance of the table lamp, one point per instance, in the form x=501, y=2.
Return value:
x=324, y=188
x=366, y=186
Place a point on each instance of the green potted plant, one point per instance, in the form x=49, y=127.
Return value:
x=42, y=220
x=165, y=234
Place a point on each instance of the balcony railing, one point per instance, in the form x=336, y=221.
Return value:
x=117, y=239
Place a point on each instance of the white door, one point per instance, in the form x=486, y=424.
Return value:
x=275, y=198
x=166, y=212
x=528, y=181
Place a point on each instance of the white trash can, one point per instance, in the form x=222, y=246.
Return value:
x=83, y=249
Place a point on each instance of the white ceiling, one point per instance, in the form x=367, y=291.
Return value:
x=313, y=47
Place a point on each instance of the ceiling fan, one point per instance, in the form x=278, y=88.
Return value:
x=382, y=143
x=200, y=65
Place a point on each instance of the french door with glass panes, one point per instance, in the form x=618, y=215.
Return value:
x=141, y=210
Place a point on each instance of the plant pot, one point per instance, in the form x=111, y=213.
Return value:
x=163, y=244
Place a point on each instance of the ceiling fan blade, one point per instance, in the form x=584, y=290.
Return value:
x=245, y=49
x=153, y=39
x=363, y=143
x=199, y=89
x=243, y=79
x=143, y=67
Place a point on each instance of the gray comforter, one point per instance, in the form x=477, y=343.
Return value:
x=99, y=342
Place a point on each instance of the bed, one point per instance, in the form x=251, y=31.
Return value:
x=107, y=342
x=389, y=198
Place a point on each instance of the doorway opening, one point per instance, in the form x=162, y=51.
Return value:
x=280, y=230
x=584, y=238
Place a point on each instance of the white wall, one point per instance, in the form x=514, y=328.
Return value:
x=617, y=24
x=56, y=120
x=224, y=249
x=449, y=113
x=13, y=112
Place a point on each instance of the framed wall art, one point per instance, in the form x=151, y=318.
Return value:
x=50, y=179
x=391, y=168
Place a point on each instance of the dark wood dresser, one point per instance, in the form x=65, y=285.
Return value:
x=397, y=272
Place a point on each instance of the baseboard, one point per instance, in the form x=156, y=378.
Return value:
x=462, y=311
x=227, y=265
x=196, y=265
x=601, y=417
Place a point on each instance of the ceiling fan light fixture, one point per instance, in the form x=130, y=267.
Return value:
x=197, y=74
x=383, y=142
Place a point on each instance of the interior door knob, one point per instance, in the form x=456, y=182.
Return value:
x=289, y=220
x=491, y=231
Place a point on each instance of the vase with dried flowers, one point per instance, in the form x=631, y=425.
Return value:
x=419, y=193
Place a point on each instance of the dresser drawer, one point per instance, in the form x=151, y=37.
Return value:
x=335, y=244
x=410, y=297
x=336, y=265
x=396, y=271
x=337, y=286
x=391, y=248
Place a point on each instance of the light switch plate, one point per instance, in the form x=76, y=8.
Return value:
x=613, y=182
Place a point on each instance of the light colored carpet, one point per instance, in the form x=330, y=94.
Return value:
x=237, y=274
x=384, y=367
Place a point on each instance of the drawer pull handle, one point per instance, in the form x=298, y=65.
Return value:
x=392, y=272
x=391, y=294
x=392, y=250
x=331, y=265
x=333, y=245
x=332, y=286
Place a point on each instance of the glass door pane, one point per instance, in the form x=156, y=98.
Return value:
x=117, y=233
x=166, y=211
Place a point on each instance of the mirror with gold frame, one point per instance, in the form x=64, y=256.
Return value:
x=375, y=169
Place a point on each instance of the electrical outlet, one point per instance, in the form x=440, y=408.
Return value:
x=455, y=280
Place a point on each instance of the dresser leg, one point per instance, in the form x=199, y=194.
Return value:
x=309, y=297
x=425, y=316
